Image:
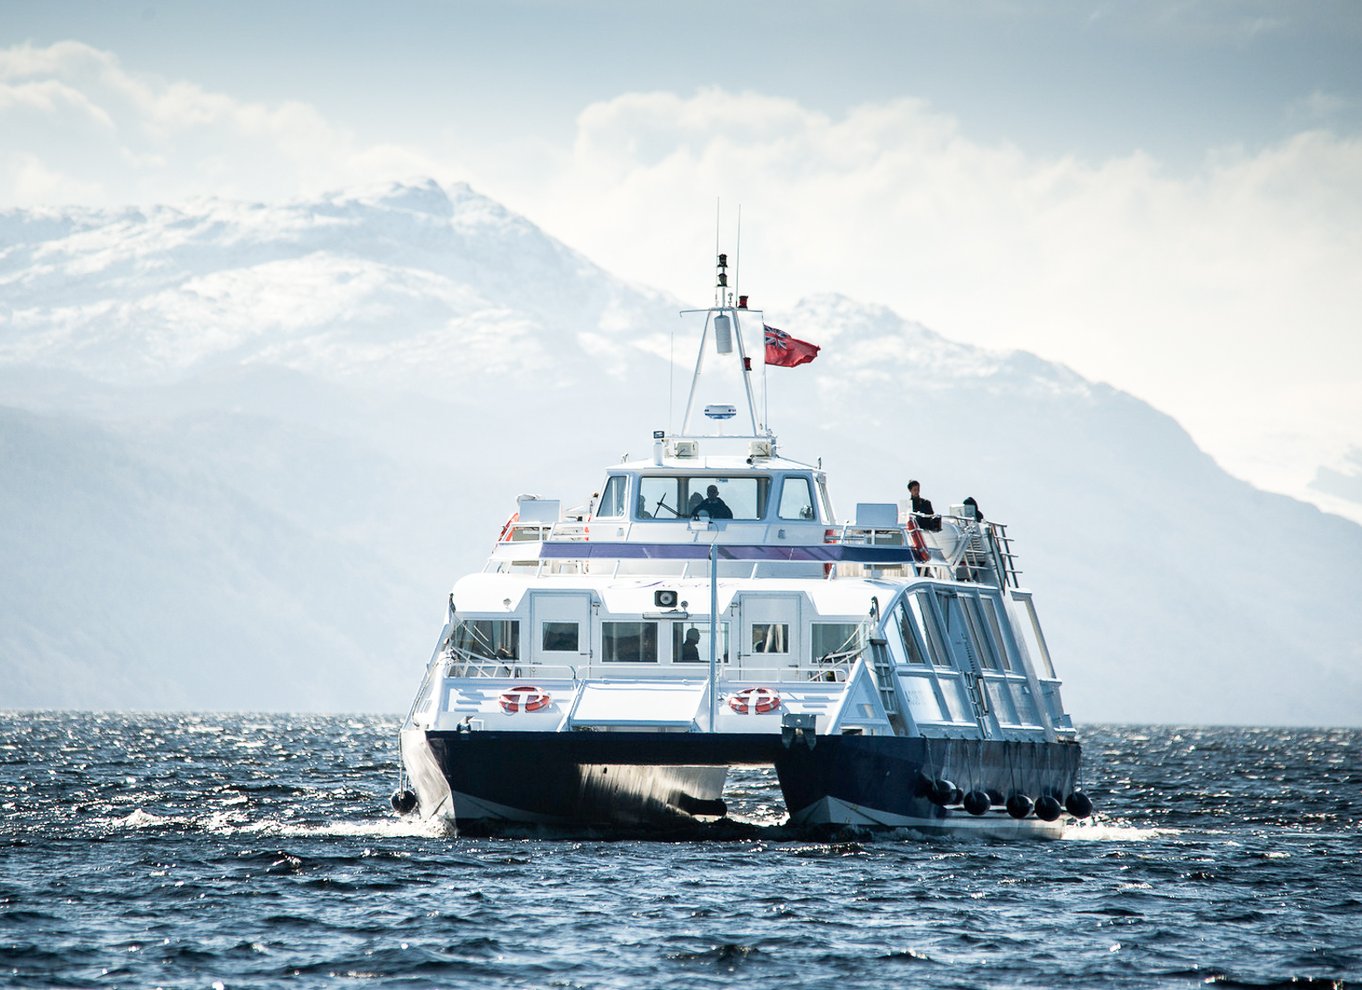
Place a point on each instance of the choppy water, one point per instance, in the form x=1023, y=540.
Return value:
x=230, y=850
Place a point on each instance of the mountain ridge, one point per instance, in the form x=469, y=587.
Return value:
x=368, y=433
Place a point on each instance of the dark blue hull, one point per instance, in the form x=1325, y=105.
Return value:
x=657, y=778
x=892, y=782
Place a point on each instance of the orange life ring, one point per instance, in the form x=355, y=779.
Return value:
x=754, y=701
x=920, y=550
x=506, y=530
x=829, y=536
x=524, y=698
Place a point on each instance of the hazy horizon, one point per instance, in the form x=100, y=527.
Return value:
x=1162, y=197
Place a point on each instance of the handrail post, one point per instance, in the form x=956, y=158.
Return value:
x=713, y=633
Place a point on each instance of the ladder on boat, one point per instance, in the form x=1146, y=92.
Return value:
x=986, y=556
x=882, y=666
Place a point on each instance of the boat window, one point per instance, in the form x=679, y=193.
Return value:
x=825, y=501
x=559, y=637
x=612, y=497
x=1035, y=639
x=958, y=702
x=1027, y=714
x=835, y=642
x=770, y=637
x=926, y=619
x=658, y=499
x=796, y=499
x=673, y=497
x=1000, y=700
x=922, y=701
x=982, y=647
x=629, y=642
x=690, y=642
x=907, y=626
x=492, y=638
x=991, y=613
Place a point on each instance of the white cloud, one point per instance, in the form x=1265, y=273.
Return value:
x=1228, y=297
x=104, y=135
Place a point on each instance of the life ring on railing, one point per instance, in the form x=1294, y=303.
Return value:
x=524, y=698
x=754, y=701
x=506, y=530
x=829, y=536
x=920, y=550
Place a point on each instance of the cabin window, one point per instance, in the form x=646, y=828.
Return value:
x=796, y=499
x=984, y=648
x=926, y=620
x=629, y=642
x=922, y=700
x=657, y=498
x=492, y=638
x=770, y=637
x=990, y=608
x=836, y=642
x=907, y=629
x=559, y=637
x=612, y=497
x=675, y=497
x=1035, y=639
x=690, y=642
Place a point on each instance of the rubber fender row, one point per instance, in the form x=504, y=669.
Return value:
x=944, y=794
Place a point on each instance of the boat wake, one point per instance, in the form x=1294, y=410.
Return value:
x=1106, y=831
x=228, y=823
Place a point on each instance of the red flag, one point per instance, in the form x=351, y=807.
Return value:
x=787, y=351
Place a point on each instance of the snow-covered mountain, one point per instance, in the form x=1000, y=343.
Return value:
x=247, y=447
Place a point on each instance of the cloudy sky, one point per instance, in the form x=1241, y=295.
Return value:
x=1166, y=196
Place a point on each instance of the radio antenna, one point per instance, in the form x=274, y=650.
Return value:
x=737, y=256
x=718, y=290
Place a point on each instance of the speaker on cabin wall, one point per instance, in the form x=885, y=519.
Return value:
x=664, y=599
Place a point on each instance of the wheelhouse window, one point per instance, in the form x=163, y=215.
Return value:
x=714, y=496
x=629, y=642
x=796, y=499
x=559, y=637
x=495, y=639
x=770, y=637
x=690, y=642
x=612, y=497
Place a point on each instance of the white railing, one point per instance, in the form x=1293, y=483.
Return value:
x=982, y=551
x=471, y=666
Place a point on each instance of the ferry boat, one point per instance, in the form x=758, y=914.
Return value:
x=707, y=610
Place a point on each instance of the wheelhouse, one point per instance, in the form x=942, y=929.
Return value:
x=679, y=495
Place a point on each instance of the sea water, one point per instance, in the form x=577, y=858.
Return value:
x=141, y=850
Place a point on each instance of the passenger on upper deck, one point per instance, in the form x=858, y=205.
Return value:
x=713, y=505
x=922, y=509
x=971, y=505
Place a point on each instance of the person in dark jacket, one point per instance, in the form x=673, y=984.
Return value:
x=713, y=505
x=922, y=509
x=971, y=505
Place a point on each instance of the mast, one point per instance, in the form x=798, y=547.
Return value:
x=721, y=384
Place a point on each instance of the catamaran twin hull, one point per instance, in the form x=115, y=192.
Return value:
x=706, y=608
x=489, y=780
